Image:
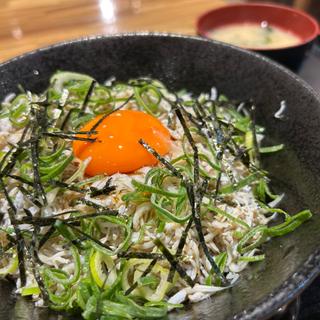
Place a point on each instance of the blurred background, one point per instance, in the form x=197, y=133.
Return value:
x=29, y=24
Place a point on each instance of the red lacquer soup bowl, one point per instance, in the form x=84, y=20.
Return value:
x=297, y=22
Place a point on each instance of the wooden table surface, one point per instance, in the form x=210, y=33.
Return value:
x=29, y=24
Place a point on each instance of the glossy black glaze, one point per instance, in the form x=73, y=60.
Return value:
x=197, y=64
x=290, y=57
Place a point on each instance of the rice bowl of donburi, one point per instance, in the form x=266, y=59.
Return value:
x=132, y=198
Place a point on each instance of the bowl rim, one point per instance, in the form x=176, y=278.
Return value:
x=310, y=269
x=316, y=31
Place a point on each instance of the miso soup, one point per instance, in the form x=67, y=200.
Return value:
x=252, y=35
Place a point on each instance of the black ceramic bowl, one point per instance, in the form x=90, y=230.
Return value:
x=196, y=64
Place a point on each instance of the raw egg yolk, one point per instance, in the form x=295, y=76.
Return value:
x=117, y=147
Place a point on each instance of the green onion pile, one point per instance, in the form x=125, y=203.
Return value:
x=138, y=245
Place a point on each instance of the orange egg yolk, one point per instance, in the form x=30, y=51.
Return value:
x=117, y=147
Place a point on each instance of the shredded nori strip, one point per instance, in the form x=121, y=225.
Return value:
x=217, y=188
x=166, y=163
x=48, y=221
x=20, y=241
x=80, y=132
x=254, y=133
x=20, y=179
x=192, y=143
x=87, y=97
x=30, y=196
x=27, y=212
x=181, y=245
x=65, y=136
x=88, y=237
x=174, y=262
x=35, y=134
x=145, y=272
x=6, y=156
x=94, y=205
x=195, y=196
x=106, y=212
x=207, y=128
x=64, y=185
x=46, y=237
x=220, y=154
x=141, y=255
x=35, y=261
x=95, y=126
x=107, y=189
x=66, y=119
x=14, y=154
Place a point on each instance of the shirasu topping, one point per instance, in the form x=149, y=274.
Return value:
x=132, y=245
